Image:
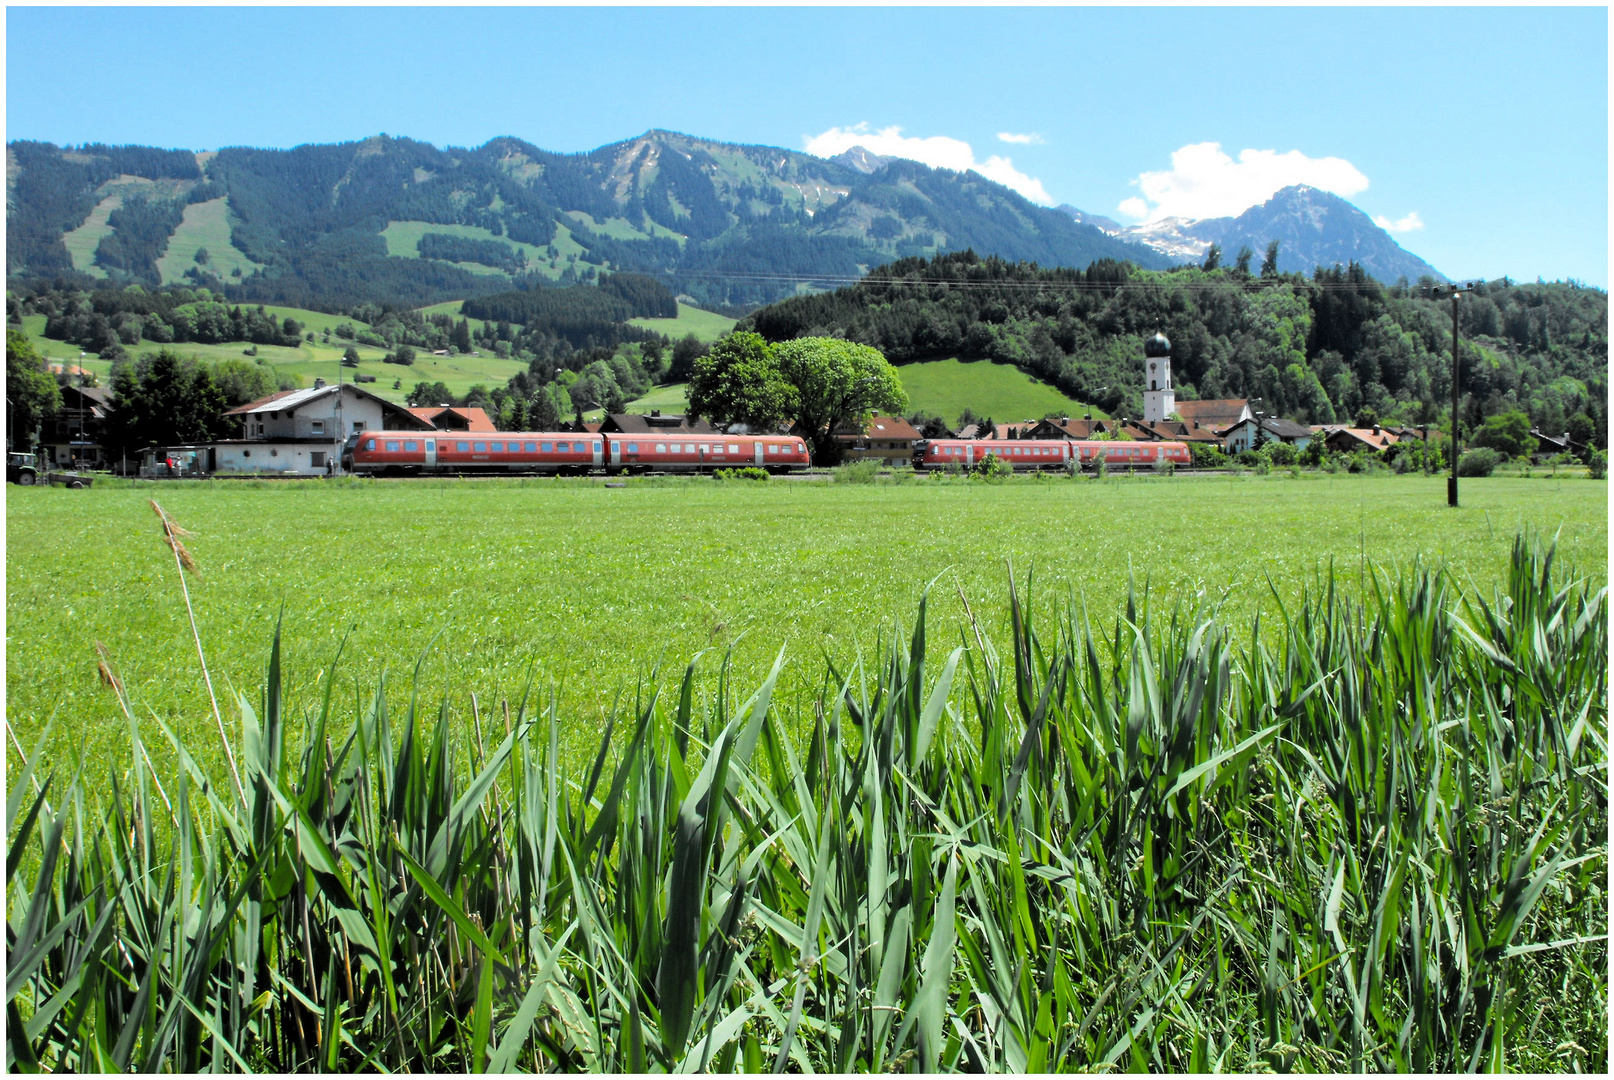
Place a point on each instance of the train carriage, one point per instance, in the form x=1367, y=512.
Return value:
x=413, y=453
x=683, y=452
x=1032, y=454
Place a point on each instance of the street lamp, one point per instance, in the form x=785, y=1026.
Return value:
x=1453, y=289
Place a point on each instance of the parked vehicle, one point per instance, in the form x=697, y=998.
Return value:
x=22, y=469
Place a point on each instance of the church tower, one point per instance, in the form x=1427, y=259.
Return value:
x=1159, y=399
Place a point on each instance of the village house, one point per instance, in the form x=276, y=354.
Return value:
x=887, y=439
x=1344, y=440
x=656, y=422
x=455, y=418
x=72, y=437
x=302, y=431
x=1242, y=435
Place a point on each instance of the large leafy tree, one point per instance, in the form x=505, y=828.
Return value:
x=164, y=399
x=837, y=383
x=1508, y=432
x=739, y=382
x=31, y=391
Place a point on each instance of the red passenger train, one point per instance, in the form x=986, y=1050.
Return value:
x=1032, y=454
x=414, y=453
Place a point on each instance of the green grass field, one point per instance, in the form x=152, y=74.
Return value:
x=706, y=325
x=1001, y=391
x=205, y=225
x=82, y=241
x=403, y=241
x=313, y=360
x=583, y=588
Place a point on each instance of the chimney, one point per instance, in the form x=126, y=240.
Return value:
x=1375, y=429
x=655, y=412
x=319, y=383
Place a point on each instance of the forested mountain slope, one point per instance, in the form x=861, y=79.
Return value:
x=1316, y=348
x=392, y=220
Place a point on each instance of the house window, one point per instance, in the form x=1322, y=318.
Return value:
x=318, y=427
x=358, y=425
x=316, y=459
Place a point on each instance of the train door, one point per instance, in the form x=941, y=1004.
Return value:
x=969, y=454
x=599, y=458
x=757, y=448
x=616, y=452
x=431, y=453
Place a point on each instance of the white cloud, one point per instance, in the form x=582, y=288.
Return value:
x=1409, y=223
x=1204, y=182
x=1030, y=138
x=937, y=151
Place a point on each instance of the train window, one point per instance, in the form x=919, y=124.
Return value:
x=392, y=446
x=734, y=448
x=431, y=445
x=633, y=448
x=411, y=445
x=661, y=448
x=481, y=448
x=596, y=448
x=462, y=447
x=498, y=448
x=369, y=444
x=548, y=447
x=564, y=448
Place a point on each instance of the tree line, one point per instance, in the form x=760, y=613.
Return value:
x=1318, y=349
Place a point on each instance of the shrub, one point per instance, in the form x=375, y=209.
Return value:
x=992, y=468
x=1164, y=466
x=1598, y=464
x=1207, y=455
x=1480, y=461
x=749, y=472
x=856, y=472
x=1281, y=453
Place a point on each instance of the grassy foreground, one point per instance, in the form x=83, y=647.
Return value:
x=584, y=587
x=1358, y=836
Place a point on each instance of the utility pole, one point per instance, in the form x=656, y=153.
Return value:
x=1454, y=290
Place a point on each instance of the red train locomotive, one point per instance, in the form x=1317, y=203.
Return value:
x=415, y=453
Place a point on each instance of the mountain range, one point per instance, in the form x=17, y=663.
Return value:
x=394, y=220
x=1313, y=228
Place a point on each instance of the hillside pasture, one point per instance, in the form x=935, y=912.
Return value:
x=1001, y=391
x=707, y=326
x=403, y=241
x=82, y=241
x=205, y=225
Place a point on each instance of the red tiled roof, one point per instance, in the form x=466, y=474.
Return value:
x=475, y=419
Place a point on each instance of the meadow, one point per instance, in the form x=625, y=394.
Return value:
x=1366, y=834
x=1001, y=391
x=585, y=588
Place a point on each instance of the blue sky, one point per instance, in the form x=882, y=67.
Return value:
x=1480, y=134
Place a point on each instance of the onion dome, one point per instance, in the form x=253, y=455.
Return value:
x=1157, y=346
